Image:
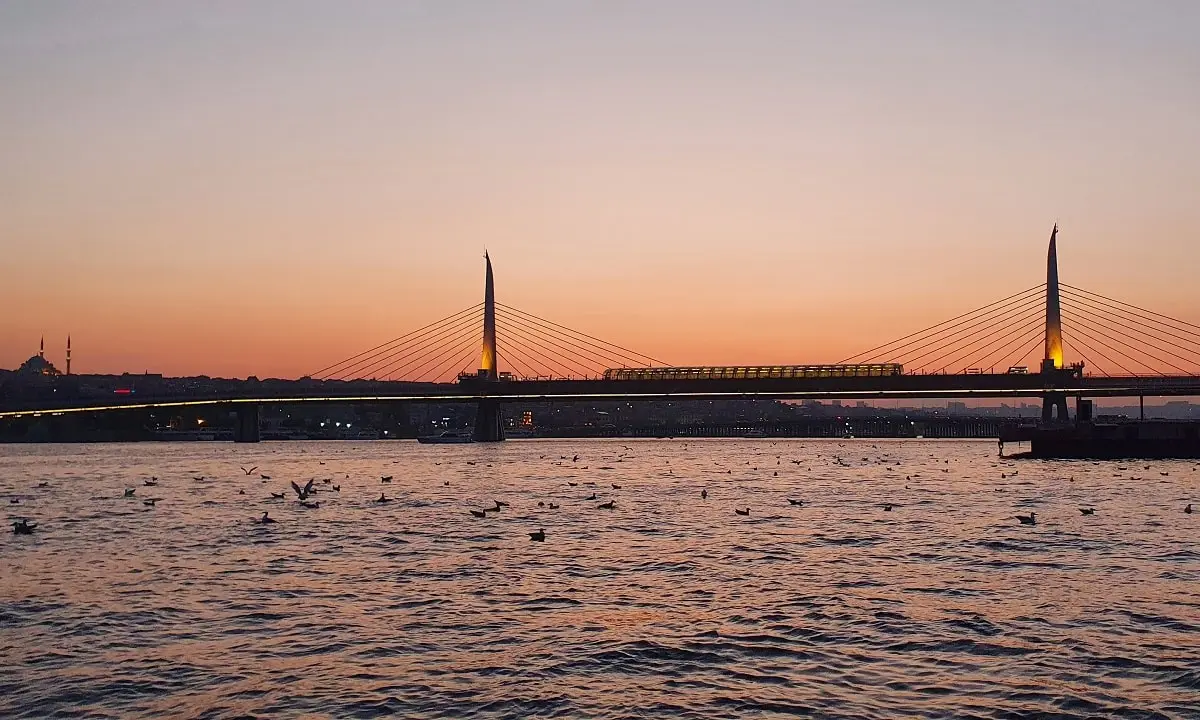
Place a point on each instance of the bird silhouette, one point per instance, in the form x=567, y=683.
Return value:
x=383, y=498
x=337, y=488
x=553, y=506
x=303, y=492
x=149, y=502
x=152, y=482
x=277, y=496
x=887, y=507
x=704, y=494
x=606, y=506
x=479, y=513
x=250, y=471
x=592, y=496
x=129, y=492
x=1030, y=519
x=1087, y=511
x=198, y=478
x=742, y=512
x=1188, y=509
x=265, y=477
x=44, y=483
x=386, y=479
x=616, y=486
x=23, y=527
x=265, y=519
x=795, y=502
x=539, y=536
x=572, y=484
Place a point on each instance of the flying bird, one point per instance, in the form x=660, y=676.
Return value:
x=250, y=471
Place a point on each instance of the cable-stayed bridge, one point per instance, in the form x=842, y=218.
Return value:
x=491, y=353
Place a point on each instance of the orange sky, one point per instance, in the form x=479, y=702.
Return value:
x=230, y=190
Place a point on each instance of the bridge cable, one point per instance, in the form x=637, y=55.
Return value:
x=1001, y=344
x=854, y=358
x=453, y=353
x=1081, y=335
x=533, y=317
x=597, y=361
x=386, y=364
x=521, y=367
x=542, y=365
x=942, y=345
x=551, y=364
x=1123, y=315
x=322, y=371
x=952, y=334
x=398, y=361
x=1067, y=343
x=1099, y=324
x=989, y=339
x=1139, y=309
x=464, y=334
x=1092, y=328
x=380, y=359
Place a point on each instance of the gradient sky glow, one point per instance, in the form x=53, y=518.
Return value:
x=235, y=188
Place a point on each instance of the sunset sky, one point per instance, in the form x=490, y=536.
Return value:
x=237, y=188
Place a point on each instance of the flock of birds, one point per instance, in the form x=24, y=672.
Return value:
x=305, y=494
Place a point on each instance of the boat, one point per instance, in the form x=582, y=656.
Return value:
x=447, y=437
x=755, y=434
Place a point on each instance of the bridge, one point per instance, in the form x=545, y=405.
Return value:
x=1122, y=350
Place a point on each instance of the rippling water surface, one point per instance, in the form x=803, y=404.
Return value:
x=665, y=606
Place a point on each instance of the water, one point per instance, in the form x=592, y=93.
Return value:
x=666, y=606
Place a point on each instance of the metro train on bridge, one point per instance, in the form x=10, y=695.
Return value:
x=754, y=372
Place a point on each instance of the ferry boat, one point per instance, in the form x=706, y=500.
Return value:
x=447, y=437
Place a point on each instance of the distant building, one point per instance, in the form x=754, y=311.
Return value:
x=38, y=364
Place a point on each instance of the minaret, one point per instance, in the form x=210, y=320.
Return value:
x=488, y=363
x=68, y=354
x=1054, y=349
x=42, y=348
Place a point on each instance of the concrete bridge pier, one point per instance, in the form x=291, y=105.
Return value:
x=245, y=428
x=1054, y=408
x=488, y=426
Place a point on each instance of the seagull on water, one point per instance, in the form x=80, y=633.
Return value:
x=152, y=482
x=129, y=492
x=265, y=519
x=23, y=527
x=1087, y=511
x=385, y=479
x=1030, y=519
x=704, y=494
x=795, y=502
x=742, y=512
x=1188, y=509
x=539, y=536
x=607, y=506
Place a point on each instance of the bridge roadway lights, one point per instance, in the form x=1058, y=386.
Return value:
x=487, y=421
x=246, y=426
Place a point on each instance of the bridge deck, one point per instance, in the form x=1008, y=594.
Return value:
x=852, y=388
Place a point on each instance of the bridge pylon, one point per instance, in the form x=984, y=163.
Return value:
x=1054, y=405
x=489, y=425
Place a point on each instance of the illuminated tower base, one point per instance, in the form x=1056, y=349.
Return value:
x=488, y=426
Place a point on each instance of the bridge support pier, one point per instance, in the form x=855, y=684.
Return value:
x=1055, y=404
x=488, y=427
x=245, y=428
